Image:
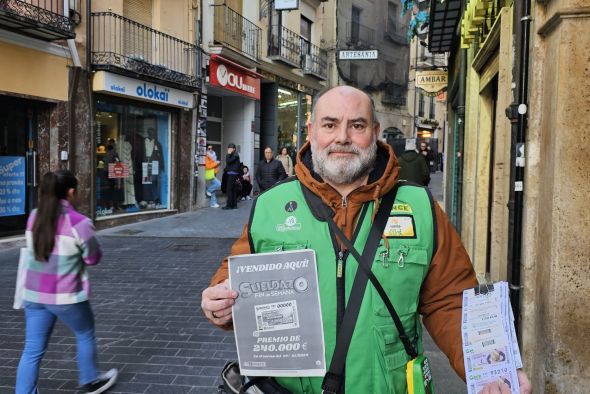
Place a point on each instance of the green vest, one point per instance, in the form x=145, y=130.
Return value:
x=282, y=220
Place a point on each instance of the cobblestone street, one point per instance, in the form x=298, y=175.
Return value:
x=146, y=297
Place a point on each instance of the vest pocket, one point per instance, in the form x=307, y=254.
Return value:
x=281, y=247
x=400, y=271
x=390, y=362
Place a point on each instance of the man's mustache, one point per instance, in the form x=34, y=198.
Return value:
x=342, y=149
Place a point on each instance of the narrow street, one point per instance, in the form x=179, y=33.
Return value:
x=146, y=298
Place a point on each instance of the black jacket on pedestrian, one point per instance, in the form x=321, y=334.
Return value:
x=232, y=163
x=268, y=173
x=413, y=168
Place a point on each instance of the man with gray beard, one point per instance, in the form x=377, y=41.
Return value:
x=420, y=261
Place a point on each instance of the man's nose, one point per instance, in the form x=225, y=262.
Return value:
x=342, y=134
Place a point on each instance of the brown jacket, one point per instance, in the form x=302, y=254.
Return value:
x=450, y=271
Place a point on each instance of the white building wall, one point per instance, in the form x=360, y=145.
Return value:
x=238, y=115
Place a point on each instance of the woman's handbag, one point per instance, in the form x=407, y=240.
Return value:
x=21, y=274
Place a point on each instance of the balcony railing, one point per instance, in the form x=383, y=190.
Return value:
x=125, y=46
x=285, y=45
x=397, y=32
x=43, y=19
x=359, y=36
x=314, y=60
x=236, y=32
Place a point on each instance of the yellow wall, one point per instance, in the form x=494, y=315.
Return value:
x=34, y=73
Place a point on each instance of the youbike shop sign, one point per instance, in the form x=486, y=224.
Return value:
x=233, y=77
x=12, y=185
x=147, y=91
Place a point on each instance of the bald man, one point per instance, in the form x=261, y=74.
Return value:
x=420, y=261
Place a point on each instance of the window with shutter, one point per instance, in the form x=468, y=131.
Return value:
x=137, y=40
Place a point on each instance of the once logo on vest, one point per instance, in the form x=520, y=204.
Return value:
x=289, y=225
x=291, y=206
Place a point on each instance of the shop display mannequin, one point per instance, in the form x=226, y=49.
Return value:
x=154, y=157
x=126, y=158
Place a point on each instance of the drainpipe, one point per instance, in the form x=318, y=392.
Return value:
x=518, y=115
x=460, y=136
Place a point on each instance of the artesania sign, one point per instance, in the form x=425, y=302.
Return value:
x=146, y=91
x=358, y=55
x=432, y=81
x=232, y=77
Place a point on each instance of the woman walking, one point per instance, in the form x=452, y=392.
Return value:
x=285, y=158
x=61, y=243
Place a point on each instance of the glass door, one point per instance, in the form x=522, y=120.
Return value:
x=18, y=164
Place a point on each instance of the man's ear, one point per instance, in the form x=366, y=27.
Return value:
x=71, y=193
x=377, y=129
x=309, y=131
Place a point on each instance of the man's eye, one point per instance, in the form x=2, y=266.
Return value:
x=329, y=125
x=358, y=126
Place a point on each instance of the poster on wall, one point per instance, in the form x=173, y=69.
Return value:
x=12, y=185
x=202, y=140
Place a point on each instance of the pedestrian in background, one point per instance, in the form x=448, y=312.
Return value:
x=232, y=170
x=246, y=183
x=413, y=166
x=285, y=158
x=426, y=151
x=269, y=171
x=61, y=243
x=211, y=169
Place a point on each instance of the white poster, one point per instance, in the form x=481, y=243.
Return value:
x=277, y=316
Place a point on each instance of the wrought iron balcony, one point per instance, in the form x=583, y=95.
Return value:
x=397, y=32
x=285, y=45
x=236, y=32
x=314, y=60
x=359, y=36
x=43, y=19
x=127, y=47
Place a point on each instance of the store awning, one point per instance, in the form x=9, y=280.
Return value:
x=444, y=17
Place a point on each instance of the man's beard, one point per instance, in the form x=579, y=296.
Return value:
x=343, y=170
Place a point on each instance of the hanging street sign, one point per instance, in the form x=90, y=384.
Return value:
x=432, y=82
x=285, y=5
x=358, y=55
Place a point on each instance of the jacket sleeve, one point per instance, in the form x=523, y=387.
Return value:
x=449, y=274
x=241, y=246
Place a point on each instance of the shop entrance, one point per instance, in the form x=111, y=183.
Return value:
x=18, y=163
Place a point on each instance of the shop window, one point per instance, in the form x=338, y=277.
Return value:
x=132, y=158
x=287, y=127
x=421, y=105
x=431, y=110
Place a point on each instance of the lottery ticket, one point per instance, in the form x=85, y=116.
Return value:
x=277, y=316
x=490, y=347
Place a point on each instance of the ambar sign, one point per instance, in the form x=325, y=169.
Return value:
x=432, y=81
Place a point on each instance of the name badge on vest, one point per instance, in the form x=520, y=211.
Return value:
x=400, y=226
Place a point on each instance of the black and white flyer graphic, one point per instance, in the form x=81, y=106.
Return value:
x=277, y=315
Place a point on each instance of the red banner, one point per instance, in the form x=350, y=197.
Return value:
x=233, y=77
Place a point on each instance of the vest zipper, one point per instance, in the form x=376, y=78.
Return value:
x=340, y=291
x=344, y=202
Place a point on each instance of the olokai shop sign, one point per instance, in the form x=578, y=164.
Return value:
x=146, y=91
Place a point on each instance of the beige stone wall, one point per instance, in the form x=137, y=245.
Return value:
x=487, y=151
x=556, y=255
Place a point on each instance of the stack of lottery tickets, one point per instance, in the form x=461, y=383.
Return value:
x=490, y=348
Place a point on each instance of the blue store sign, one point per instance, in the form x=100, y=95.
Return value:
x=12, y=185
